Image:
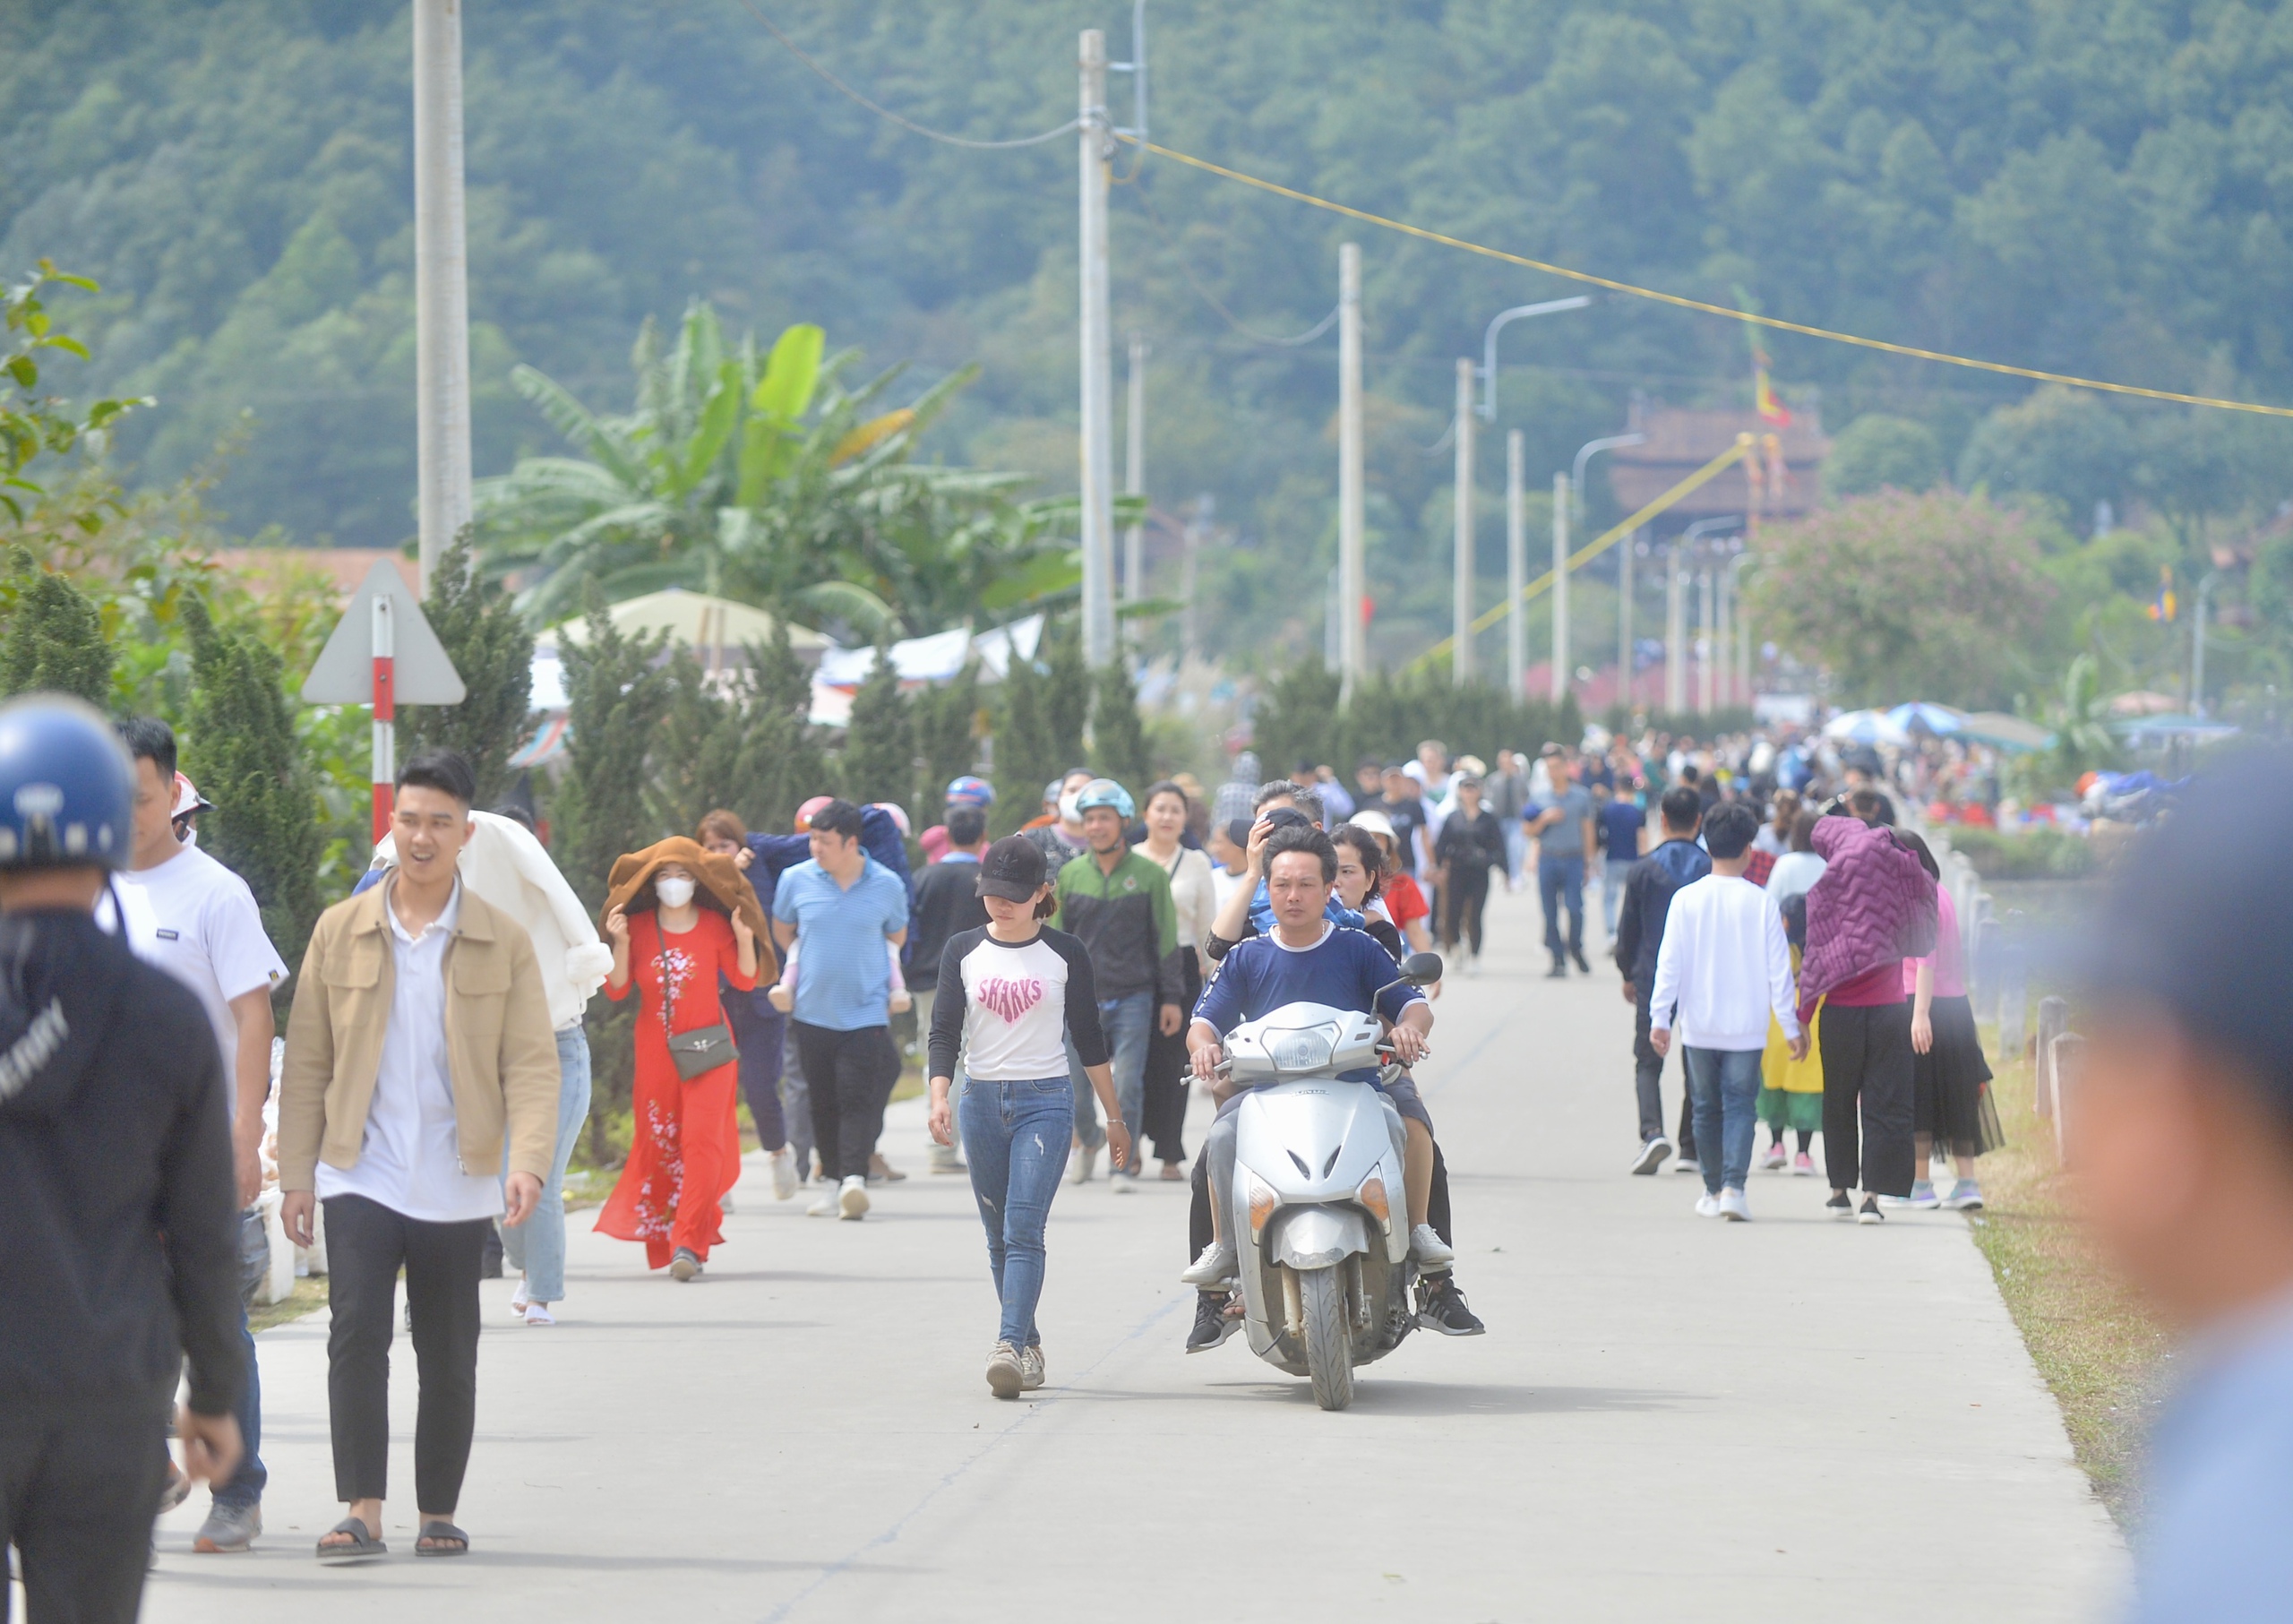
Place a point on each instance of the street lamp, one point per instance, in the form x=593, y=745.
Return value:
x=1676, y=610
x=1562, y=487
x=2197, y=644
x=1488, y=367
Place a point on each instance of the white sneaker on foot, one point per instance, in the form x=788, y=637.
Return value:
x=1428, y=1251
x=783, y=1175
x=1214, y=1267
x=1652, y=1154
x=1734, y=1207
x=1708, y=1206
x=1003, y=1372
x=1080, y=1160
x=826, y=1207
x=1031, y=1367
x=852, y=1199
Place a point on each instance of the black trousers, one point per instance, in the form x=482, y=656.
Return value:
x=1868, y=1062
x=1648, y=1083
x=80, y=1483
x=1461, y=902
x=1167, y=1071
x=367, y=1245
x=1197, y=1217
x=849, y=1076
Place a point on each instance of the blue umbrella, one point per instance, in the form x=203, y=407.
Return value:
x=1940, y=720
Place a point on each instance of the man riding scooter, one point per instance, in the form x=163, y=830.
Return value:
x=1307, y=959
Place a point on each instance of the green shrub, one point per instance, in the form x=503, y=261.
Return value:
x=2042, y=853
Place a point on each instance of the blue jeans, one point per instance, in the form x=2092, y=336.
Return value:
x=1723, y=1089
x=1127, y=1021
x=536, y=1248
x=761, y=1032
x=1613, y=890
x=1561, y=884
x=246, y=1485
x=1014, y=1137
x=1517, y=850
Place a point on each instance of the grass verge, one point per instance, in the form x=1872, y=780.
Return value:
x=2100, y=1350
x=308, y=1296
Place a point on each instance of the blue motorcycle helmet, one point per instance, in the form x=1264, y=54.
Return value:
x=1105, y=792
x=970, y=791
x=67, y=788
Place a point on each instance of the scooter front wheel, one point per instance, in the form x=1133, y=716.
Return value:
x=1329, y=1340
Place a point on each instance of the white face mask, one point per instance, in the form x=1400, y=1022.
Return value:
x=1067, y=812
x=674, y=890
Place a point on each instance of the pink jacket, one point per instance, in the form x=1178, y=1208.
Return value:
x=1874, y=904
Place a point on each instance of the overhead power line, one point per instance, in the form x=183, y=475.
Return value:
x=1702, y=307
x=1212, y=299
x=880, y=111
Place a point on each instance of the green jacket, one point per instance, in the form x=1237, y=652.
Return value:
x=1126, y=922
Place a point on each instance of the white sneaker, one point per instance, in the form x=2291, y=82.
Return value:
x=852, y=1199
x=1004, y=1373
x=1216, y=1266
x=1652, y=1154
x=1030, y=1367
x=825, y=1207
x=1708, y=1206
x=783, y=1175
x=518, y=1299
x=1428, y=1251
x=1080, y=1160
x=1734, y=1207
x=537, y=1314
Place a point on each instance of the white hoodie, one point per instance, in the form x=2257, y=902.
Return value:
x=1724, y=965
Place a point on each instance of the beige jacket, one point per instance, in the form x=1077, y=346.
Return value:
x=500, y=1050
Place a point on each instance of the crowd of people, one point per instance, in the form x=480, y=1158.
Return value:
x=1075, y=980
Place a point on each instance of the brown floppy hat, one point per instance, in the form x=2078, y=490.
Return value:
x=718, y=884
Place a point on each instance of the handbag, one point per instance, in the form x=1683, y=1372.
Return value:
x=704, y=1048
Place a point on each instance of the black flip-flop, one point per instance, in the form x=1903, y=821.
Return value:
x=439, y=1528
x=364, y=1543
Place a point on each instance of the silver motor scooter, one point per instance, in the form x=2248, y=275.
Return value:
x=1320, y=1210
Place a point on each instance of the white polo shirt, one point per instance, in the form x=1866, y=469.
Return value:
x=411, y=1159
x=197, y=921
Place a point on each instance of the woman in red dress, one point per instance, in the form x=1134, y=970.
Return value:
x=675, y=924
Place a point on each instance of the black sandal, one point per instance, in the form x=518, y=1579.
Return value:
x=364, y=1544
x=439, y=1528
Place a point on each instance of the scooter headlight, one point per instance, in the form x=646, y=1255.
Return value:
x=1307, y=1051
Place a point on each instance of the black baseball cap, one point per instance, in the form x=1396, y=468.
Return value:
x=1287, y=817
x=1012, y=868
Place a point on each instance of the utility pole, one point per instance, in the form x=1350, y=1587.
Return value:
x=1724, y=645
x=1560, y=586
x=1676, y=632
x=1352, y=576
x=1098, y=385
x=1189, y=622
x=1624, y=673
x=1134, y=473
x=2197, y=643
x=441, y=283
x=1517, y=567
x=1460, y=662
x=1704, y=606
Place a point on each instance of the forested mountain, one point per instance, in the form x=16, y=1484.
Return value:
x=2098, y=187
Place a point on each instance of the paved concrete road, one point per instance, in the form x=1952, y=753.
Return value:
x=1671, y=1417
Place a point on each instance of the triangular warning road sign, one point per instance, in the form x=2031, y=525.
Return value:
x=344, y=672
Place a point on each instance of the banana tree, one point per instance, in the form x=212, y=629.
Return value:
x=752, y=476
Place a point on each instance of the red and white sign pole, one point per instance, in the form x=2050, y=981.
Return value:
x=385, y=713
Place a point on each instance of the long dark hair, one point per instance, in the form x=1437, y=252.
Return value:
x=1916, y=844
x=1365, y=846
